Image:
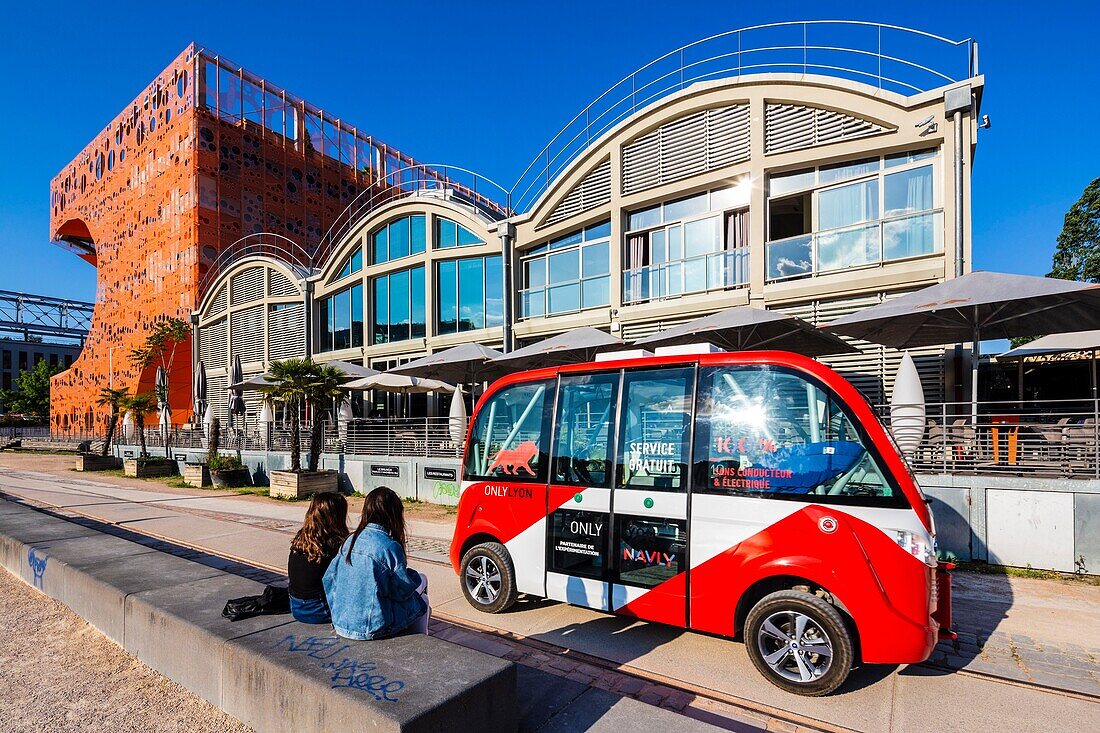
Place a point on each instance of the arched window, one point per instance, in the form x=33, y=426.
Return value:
x=400, y=238
x=452, y=234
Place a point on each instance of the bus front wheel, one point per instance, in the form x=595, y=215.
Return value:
x=799, y=642
x=488, y=578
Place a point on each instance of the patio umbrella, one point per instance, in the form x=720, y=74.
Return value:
x=571, y=347
x=457, y=421
x=343, y=416
x=388, y=382
x=258, y=381
x=351, y=370
x=128, y=425
x=162, y=397
x=1058, y=343
x=236, y=387
x=207, y=419
x=746, y=328
x=267, y=414
x=199, y=396
x=464, y=364
x=989, y=305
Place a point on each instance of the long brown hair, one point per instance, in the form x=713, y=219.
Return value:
x=325, y=527
x=382, y=507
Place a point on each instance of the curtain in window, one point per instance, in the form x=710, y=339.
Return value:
x=848, y=205
x=737, y=246
x=636, y=246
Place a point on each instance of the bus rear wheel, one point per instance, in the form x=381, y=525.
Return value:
x=488, y=578
x=799, y=642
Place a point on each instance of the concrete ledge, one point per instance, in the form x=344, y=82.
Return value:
x=272, y=673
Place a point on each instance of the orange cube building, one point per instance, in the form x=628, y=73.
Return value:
x=206, y=155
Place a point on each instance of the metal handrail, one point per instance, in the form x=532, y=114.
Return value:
x=621, y=100
x=399, y=184
x=261, y=244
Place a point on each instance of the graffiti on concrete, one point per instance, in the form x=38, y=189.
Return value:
x=356, y=674
x=37, y=562
x=448, y=489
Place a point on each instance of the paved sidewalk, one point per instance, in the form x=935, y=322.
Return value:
x=875, y=698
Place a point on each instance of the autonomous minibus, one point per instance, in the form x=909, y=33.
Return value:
x=753, y=495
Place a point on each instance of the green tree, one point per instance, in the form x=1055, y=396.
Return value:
x=140, y=405
x=112, y=398
x=290, y=384
x=31, y=395
x=160, y=348
x=327, y=385
x=1077, y=256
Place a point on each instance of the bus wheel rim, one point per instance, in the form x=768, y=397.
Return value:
x=795, y=646
x=483, y=580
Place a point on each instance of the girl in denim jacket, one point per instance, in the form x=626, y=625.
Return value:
x=373, y=594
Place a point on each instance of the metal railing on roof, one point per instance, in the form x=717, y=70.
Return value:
x=879, y=55
x=455, y=182
x=263, y=244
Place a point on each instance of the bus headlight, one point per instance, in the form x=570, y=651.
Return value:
x=917, y=546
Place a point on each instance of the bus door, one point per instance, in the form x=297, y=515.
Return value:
x=650, y=500
x=578, y=528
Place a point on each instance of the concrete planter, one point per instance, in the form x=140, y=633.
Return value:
x=96, y=462
x=148, y=468
x=231, y=478
x=291, y=485
x=196, y=474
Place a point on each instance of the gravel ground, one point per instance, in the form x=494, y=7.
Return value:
x=60, y=674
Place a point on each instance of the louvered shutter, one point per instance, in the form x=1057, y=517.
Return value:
x=592, y=191
x=212, y=346
x=279, y=285
x=247, y=286
x=286, y=332
x=795, y=126
x=687, y=146
x=247, y=332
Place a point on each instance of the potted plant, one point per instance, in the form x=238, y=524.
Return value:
x=294, y=382
x=144, y=466
x=198, y=474
x=227, y=471
x=102, y=461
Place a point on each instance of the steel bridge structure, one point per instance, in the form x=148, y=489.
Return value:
x=41, y=316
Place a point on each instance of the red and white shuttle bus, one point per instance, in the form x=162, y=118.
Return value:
x=750, y=494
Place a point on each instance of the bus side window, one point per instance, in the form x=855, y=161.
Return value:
x=510, y=437
x=655, y=430
x=766, y=431
x=586, y=409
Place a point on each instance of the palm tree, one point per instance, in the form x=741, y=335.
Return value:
x=291, y=381
x=112, y=398
x=141, y=405
x=325, y=387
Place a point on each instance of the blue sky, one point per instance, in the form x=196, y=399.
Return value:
x=485, y=85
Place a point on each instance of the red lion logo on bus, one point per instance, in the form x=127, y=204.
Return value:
x=512, y=460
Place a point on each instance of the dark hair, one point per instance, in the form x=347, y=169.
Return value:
x=382, y=507
x=325, y=527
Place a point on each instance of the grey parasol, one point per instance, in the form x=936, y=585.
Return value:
x=746, y=328
x=980, y=305
x=199, y=393
x=388, y=382
x=464, y=364
x=236, y=391
x=571, y=347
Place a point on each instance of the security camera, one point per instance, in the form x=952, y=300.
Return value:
x=986, y=124
x=926, y=121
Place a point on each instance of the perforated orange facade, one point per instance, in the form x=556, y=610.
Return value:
x=205, y=155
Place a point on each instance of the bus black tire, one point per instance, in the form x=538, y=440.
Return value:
x=782, y=608
x=477, y=575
